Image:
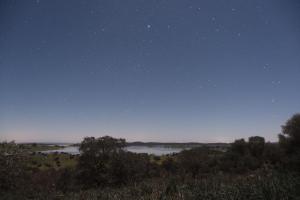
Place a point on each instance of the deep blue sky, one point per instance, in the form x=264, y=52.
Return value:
x=150, y=70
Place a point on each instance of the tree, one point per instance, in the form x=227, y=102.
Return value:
x=273, y=153
x=243, y=156
x=195, y=161
x=102, y=146
x=98, y=157
x=128, y=167
x=289, y=141
x=256, y=146
x=239, y=146
x=290, y=137
x=12, y=167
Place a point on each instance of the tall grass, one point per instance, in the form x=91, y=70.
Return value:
x=260, y=186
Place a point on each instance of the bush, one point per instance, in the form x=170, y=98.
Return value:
x=12, y=167
x=104, y=162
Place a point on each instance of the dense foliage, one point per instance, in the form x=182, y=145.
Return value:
x=251, y=169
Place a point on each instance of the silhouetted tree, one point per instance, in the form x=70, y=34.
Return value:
x=256, y=146
x=242, y=156
x=290, y=137
x=103, y=161
x=289, y=141
x=239, y=146
x=96, y=157
x=128, y=167
x=272, y=154
x=195, y=160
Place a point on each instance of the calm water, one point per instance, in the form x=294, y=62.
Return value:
x=157, y=150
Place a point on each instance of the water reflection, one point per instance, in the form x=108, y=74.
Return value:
x=156, y=150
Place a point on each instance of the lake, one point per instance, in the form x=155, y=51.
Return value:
x=156, y=150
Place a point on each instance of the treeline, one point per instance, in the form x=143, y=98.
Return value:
x=177, y=145
x=252, y=169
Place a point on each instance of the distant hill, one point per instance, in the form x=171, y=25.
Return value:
x=178, y=145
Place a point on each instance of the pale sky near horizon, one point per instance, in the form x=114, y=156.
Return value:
x=148, y=70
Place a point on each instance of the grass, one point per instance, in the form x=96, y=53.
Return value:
x=62, y=160
x=53, y=160
x=160, y=159
x=40, y=147
x=259, y=186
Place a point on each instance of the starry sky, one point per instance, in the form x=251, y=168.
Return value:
x=148, y=70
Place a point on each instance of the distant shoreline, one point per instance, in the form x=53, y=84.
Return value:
x=138, y=143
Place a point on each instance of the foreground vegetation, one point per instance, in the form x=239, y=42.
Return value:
x=250, y=169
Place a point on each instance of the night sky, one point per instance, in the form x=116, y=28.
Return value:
x=149, y=70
